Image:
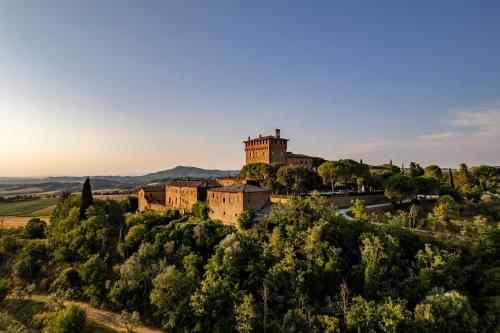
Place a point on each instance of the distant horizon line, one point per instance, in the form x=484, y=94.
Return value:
x=139, y=174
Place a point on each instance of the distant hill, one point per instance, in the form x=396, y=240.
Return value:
x=17, y=185
x=192, y=172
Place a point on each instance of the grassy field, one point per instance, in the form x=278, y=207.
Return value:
x=28, y=313
x=40, y=207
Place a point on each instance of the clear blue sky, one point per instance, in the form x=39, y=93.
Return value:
x=125, y=87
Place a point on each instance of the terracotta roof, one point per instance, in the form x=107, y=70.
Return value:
x=239, y=188
x=206, y=183
x=153, y=188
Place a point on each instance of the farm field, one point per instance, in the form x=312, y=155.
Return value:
x=32, y=208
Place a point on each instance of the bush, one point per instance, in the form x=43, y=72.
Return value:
x=200, y=210
x=68, y=320
x=35, y=228
x=70, y=281
x=245, y=220
x=30, y=260
x=10, y=244
x=5, y=286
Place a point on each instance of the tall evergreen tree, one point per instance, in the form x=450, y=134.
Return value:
x=452, y=183
x=86, y=199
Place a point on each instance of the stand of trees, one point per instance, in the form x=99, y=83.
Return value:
x=302, y=268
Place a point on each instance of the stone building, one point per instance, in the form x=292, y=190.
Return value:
x=151, y=197
x=272, y=149
x=182, y=194
x=266, y=149
x=299, y=159
x=228, y=202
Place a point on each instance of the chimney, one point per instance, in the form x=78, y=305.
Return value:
x=248, y=138
x=260, y=135
x=277, y=131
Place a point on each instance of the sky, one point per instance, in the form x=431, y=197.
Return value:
x=101, y=87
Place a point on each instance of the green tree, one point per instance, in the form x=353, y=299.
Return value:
x=68, y=320
x=245, y=314
x=433, y=171
x=200, y=210
x=425, y=186
x=93, y=274
x=399, y=187
x=86, y=199
x=5, y=286
x=487, y=175
x=446, y=208
x=330, y=172
x=359, y=210
x=415, y=170
x=171, y=293
x=292, y=177
x=450, y=176
x=30, y=261
x=35, y=228
x=368, y=316
x=463, y=176
x=446, y=312
x=245, y=220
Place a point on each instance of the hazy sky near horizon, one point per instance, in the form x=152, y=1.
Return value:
x=129, y=87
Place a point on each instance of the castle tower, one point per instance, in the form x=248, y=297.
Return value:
x=266, y=149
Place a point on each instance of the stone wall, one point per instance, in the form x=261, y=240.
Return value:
x=181, y=198
x=303, y=161
x=265, y=150
x=255, y=201
x=225, y=206
x=146, y=198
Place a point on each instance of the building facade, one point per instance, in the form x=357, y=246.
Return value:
x=151, y=196
x=266, y=149
x=228, y=202
x=182, y=194
x=299, y=159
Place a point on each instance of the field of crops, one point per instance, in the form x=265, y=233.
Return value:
x=40, y=207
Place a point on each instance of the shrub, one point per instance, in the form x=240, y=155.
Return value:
x=35, y=228
x=200, y=210
x=5, y=286
x=245, y=220
x=69, y=280
x=68, y=320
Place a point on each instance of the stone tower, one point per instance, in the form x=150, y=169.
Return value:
x=266, y=149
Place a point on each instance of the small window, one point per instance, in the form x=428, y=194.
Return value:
x=224, y=200
x=236, y=214
x=213, y=195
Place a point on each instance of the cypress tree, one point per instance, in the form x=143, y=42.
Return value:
x=86, y=199
x=452, y=183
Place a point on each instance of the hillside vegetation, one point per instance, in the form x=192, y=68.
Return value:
x=302, y=268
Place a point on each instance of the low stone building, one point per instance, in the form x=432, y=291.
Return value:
x=150, y=197
x=182, y=194
x=228, y=202
x=300, y=160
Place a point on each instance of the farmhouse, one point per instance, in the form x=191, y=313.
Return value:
x=151, y=197
x=228, y=202
x=273, y=149
x=182, y=194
